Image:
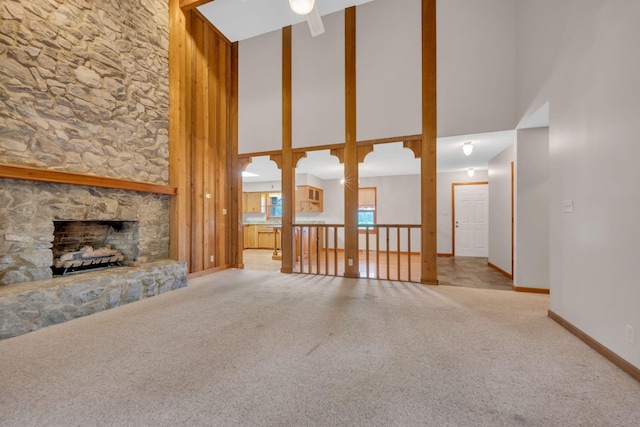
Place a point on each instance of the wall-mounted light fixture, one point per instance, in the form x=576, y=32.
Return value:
x=467, y=148
x=301, y=7
x=471, y=172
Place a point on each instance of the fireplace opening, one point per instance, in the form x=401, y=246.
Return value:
x=88, y=245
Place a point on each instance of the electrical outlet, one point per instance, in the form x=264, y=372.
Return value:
x=567, y=206
x=631, y=334
x=350, y=262
x=211, y=258
x=224, y=211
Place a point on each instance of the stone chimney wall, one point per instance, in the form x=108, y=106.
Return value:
x=83, y=88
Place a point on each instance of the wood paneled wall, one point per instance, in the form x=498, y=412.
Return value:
x=203, y=143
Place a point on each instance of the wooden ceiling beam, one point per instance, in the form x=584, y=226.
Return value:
x=186, y=5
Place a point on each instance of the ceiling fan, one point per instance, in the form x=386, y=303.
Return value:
x=310, y=10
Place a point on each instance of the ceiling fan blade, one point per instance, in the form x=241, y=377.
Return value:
x=315, y=21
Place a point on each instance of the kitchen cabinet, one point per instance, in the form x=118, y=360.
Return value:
x=309, y=199
x=266, y=236
x=259, y=237
x=250, y=237
x=251, y=202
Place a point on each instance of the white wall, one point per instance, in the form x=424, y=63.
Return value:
x=445, y=203
x=476, y=45
x=532, y=209
x=317, y=83
x=389, y=69
x=260, y=93
x=583, y=58
x=500, y=209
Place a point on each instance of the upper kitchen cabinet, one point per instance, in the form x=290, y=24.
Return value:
x=252, y=202
x=308, y=199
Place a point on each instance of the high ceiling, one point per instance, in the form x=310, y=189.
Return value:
x=242, y=19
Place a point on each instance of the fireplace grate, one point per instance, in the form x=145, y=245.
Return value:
x=87, y=258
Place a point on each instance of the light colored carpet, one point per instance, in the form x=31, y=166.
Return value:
x=260, y=348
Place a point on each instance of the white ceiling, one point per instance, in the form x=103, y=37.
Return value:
x=393, y=159
x=243, y=19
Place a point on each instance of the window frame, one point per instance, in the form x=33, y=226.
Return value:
x=375, y=211
x=268, y=205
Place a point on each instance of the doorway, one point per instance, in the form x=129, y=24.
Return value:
x=470, y=221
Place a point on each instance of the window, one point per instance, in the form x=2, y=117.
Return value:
x=274, y=205
x=367, y=209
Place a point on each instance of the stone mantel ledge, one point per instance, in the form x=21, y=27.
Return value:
x=34, y=305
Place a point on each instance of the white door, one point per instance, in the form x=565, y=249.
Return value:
x=471, y=222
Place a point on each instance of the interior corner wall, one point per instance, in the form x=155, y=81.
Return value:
x=500, y=209
x=532, y=209
x=260, y=93
x=445, y=180
x=582, y=59
x=476, y=66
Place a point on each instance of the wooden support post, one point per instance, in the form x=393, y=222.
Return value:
x=429, y=270
x=288, y=170
x=350, y=150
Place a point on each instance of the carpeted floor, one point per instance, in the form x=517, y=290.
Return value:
x=260, y=348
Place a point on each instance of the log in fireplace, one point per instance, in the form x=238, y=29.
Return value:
x=86, y=245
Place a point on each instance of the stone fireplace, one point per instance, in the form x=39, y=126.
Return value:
x=30, y=211
x=135, y=223
x=84, y=90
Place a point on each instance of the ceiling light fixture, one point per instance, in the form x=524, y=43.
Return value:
x=471, y=172
x=467, y=148
x=301, y=7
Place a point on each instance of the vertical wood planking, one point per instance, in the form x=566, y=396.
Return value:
x=197, y=140
x=429, y=273
x=350, y=149
x=235, y=169
x=201, y=139
x=221, y=103
x=179, y=106
x=208, y=144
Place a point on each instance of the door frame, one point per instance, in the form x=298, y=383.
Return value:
x=453, y=210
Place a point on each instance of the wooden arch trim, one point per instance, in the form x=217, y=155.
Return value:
x=244, y=162
x=363, y=151
x=297, y=157
x=277, y=159
x=415, y=146
x=339, y=153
